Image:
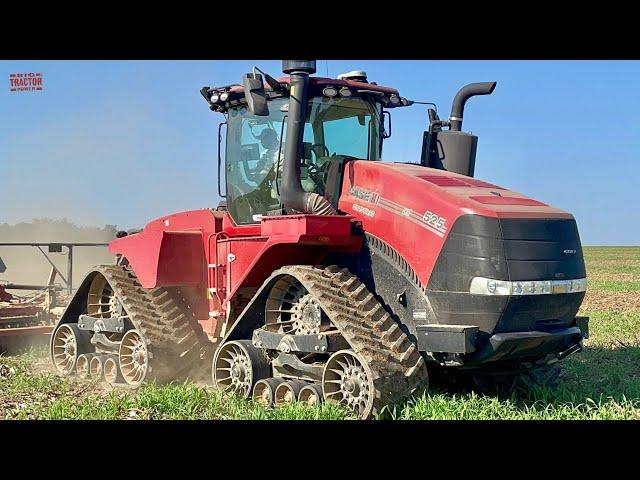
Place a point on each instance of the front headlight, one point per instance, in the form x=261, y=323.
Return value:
x=490, y=286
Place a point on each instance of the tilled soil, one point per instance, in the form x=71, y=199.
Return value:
x=614, y=302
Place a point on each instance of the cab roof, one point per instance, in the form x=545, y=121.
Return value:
x=325, y=82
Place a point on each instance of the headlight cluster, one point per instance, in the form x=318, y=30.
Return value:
x=219, y=97
x=489, y=286
x=332, y=91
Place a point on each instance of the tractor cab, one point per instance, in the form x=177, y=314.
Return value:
x=344, y=119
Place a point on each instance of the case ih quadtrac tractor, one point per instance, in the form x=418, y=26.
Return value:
x=328, y=274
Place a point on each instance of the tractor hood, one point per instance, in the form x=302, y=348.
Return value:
x=454, y=232
x=415, y=208
x=448, y=189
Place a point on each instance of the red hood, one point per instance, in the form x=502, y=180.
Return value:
x=413, y=208
x=423, y=187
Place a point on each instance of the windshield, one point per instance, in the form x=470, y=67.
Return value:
x=335, y=127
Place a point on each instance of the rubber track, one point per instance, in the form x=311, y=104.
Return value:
x=398, y=368
x=177, y=345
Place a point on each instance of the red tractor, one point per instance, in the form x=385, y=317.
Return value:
x=328, y=274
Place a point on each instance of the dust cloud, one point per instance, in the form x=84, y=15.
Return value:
x=28, y=265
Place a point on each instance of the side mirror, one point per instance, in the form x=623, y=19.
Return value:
x=433, y=116
x=386, y=126
x=222, y=195
x=255, y=95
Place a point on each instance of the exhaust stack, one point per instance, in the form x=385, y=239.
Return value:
x=464, y=94
x=292, y=195
x=454, y=150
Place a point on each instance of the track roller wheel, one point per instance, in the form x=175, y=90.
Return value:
x=67, y=342
x=96, y=366
x=347, y=380
x=82, y=365
x=310, y=394
x=287, y=392
x=237, y=366
x=111, y=369
x=134, y=358
x=264, y=391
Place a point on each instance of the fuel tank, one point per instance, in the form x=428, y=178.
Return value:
x=481, y=254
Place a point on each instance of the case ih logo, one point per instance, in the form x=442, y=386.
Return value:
x=25, y=82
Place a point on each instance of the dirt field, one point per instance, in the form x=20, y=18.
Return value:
x=603, y=382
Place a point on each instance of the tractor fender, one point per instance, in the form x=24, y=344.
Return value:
x=164, y=258
x=253, y=315
x=78, y=304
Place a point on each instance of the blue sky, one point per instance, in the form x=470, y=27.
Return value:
x=123, y=142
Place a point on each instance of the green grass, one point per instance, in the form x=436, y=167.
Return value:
x=475, y=407
x=614, y=286
x=611, y=253
x=603, y=382
x=178, y=402
x=24, y=395
x=613, y=267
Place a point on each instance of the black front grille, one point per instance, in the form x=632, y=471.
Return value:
x=542, y=249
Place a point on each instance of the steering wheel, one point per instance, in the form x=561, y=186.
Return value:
x=313, y=167
x=326, y=150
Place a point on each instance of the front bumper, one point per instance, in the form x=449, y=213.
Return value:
x=464, y=345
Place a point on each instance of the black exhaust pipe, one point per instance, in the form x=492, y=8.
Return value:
x=464, y=94
x=454, y=150
x=292, y=196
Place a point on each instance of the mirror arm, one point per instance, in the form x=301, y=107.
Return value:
x=275, y=85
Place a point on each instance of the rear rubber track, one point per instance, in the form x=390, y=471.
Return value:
x=177, y=345
x=398, y=368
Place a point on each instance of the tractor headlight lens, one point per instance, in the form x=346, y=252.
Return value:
x=579, y=285
x=214, y=98
x=224, y=96
x=490, y=286
x=345, y=92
